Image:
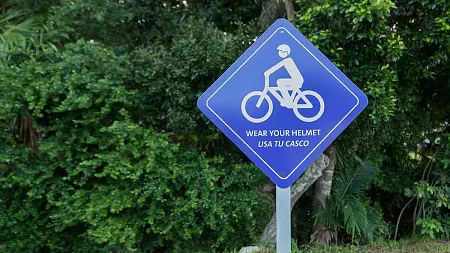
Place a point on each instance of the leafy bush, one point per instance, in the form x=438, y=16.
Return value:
x=81, y=172
x=432, y=192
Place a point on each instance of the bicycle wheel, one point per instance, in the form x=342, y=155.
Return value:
x=304, y=94
x=259, y=94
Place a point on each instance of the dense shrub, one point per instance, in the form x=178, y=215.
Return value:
x=81, y=172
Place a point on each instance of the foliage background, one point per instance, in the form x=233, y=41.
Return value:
x=103, y=150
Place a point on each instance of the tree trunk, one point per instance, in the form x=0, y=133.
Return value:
x=289, y=10
x=321, y=191
x=271, y=11
x=313, y=172
x=274, y=9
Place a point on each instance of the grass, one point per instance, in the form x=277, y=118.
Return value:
x=411, y=245
x=423, y=245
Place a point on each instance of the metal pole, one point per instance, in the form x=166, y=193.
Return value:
x=283, y=212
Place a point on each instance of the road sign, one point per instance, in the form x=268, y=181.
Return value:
x=282, y=103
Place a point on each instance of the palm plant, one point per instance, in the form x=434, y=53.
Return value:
x=346, y=211
x=21, y=29
x=15, y=25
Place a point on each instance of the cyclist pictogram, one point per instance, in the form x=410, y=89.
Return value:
x=290, y=101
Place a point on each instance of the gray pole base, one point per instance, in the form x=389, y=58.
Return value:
x=283, y=212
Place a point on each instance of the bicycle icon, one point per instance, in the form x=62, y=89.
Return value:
x=286, y=100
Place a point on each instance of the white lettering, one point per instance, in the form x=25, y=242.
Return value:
x=264, y=144
x=279, y=143
x=253, y=133
x=279, y=132
x=297, y=143
x=283, y=132
x=307, y=132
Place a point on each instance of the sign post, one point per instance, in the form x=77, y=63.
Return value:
x=282, y=103
x=283, y=216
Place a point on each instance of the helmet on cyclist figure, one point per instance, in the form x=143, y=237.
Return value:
x=283, y=50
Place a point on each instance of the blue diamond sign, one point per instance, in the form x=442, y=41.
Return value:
x=282, y=103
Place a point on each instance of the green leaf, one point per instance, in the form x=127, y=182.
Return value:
x=355, y=217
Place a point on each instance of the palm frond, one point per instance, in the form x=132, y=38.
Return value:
x=355, y=217
x=376, y=226
x=341, y=159
x=351, y=180
x=324, y=235
x=11, y=3
x=346, y=209
x=326, y=223
x=372, y=221
x=16, y=25
x=327, y=216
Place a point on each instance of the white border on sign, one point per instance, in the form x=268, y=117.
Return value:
x=357, y=103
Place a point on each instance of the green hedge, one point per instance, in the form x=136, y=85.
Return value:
x=82, y=168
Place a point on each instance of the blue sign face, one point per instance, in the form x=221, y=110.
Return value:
x=282, y=103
